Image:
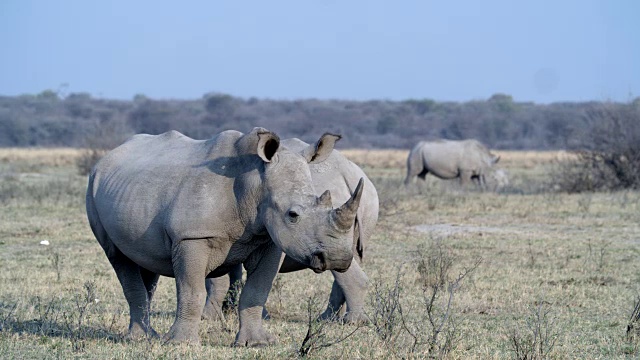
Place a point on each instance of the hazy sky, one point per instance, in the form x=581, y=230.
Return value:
x=542, y=51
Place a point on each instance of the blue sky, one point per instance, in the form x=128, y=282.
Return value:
x=542, y=51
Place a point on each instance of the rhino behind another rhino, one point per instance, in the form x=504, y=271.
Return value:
x=340, y=176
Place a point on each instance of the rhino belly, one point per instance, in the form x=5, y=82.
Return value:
x=146, y=248
x=442, y=170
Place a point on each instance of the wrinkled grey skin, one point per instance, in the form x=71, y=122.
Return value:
x=448, y=159
x=340, y=176
x=170, y=205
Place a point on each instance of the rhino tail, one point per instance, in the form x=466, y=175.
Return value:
x=415, y=165
x=96, y=225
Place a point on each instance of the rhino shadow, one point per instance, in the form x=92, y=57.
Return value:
x=232, y=166
x=60, y=329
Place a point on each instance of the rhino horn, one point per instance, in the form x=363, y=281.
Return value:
x=344, y=216
x=324, y=199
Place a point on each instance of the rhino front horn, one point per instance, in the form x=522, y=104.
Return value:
x=344, y=216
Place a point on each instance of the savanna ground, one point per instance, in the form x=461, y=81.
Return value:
x=548, y=275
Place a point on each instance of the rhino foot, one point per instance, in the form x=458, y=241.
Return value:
x=355, y=318
x=178, y=334
x=138, y=332
x=351, y=318
x=212, y=312
x=254, y=338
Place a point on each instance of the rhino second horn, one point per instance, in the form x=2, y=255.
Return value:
x=324, y=199
x=344, y=216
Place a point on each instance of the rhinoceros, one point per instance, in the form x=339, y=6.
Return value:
x=450, y=159
x=191, y=209
x=340, y=176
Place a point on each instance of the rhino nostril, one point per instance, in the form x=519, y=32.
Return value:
x=320, y=261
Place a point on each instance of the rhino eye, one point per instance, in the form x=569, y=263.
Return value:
x=293, y=216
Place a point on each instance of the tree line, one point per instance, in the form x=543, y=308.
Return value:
x=49, y=119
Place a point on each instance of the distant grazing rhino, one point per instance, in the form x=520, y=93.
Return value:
x=190, y=209
x=341, y=177
x=449, y=159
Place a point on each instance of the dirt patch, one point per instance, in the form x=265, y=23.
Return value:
x=451, y=229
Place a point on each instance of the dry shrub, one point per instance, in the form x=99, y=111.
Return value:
x=538, y=338
x=432, y=328
x=316, y=337
x=609, y=157
x=106, y=136
x=633, y=326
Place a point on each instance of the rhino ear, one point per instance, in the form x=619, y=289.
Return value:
x=322, y=149
x=268, y=144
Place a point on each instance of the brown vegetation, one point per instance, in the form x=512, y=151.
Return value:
x=556, y=281
x=499, y=122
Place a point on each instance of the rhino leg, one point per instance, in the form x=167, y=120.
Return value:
x=415, y=170
x=262, y=267
x=222, y=294
x=134, y=281
x=190, y=261
x=349, y=287
x=479, y=180
x=466, y=176
x=133, y=285
x=336, y=302
x=216, y=291
x=150, y=280
x=235, y=286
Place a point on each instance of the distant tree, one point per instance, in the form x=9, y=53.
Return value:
x=386, y=124
x=502, y=102
x=79, y=105
x=48, y=95
x=104, y=136
x=422, y=106
x=220, y=106
x=140, y=98
x=14, y=129
x=152, y=117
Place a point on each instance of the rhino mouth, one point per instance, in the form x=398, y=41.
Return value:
x=319, y=263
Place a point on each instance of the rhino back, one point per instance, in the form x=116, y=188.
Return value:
x=477, y=156
x=158, y=188
x=442, y=158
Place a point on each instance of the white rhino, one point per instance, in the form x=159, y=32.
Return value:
x=190, y=209
x=341, y=177
x=450, y=159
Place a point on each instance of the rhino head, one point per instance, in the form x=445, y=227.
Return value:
x=303, y=225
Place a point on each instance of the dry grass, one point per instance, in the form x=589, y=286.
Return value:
x=40, y=156
x=382, y=159
x=574, y=256
x=392, y=158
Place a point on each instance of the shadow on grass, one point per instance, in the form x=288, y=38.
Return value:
x=62, y=330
